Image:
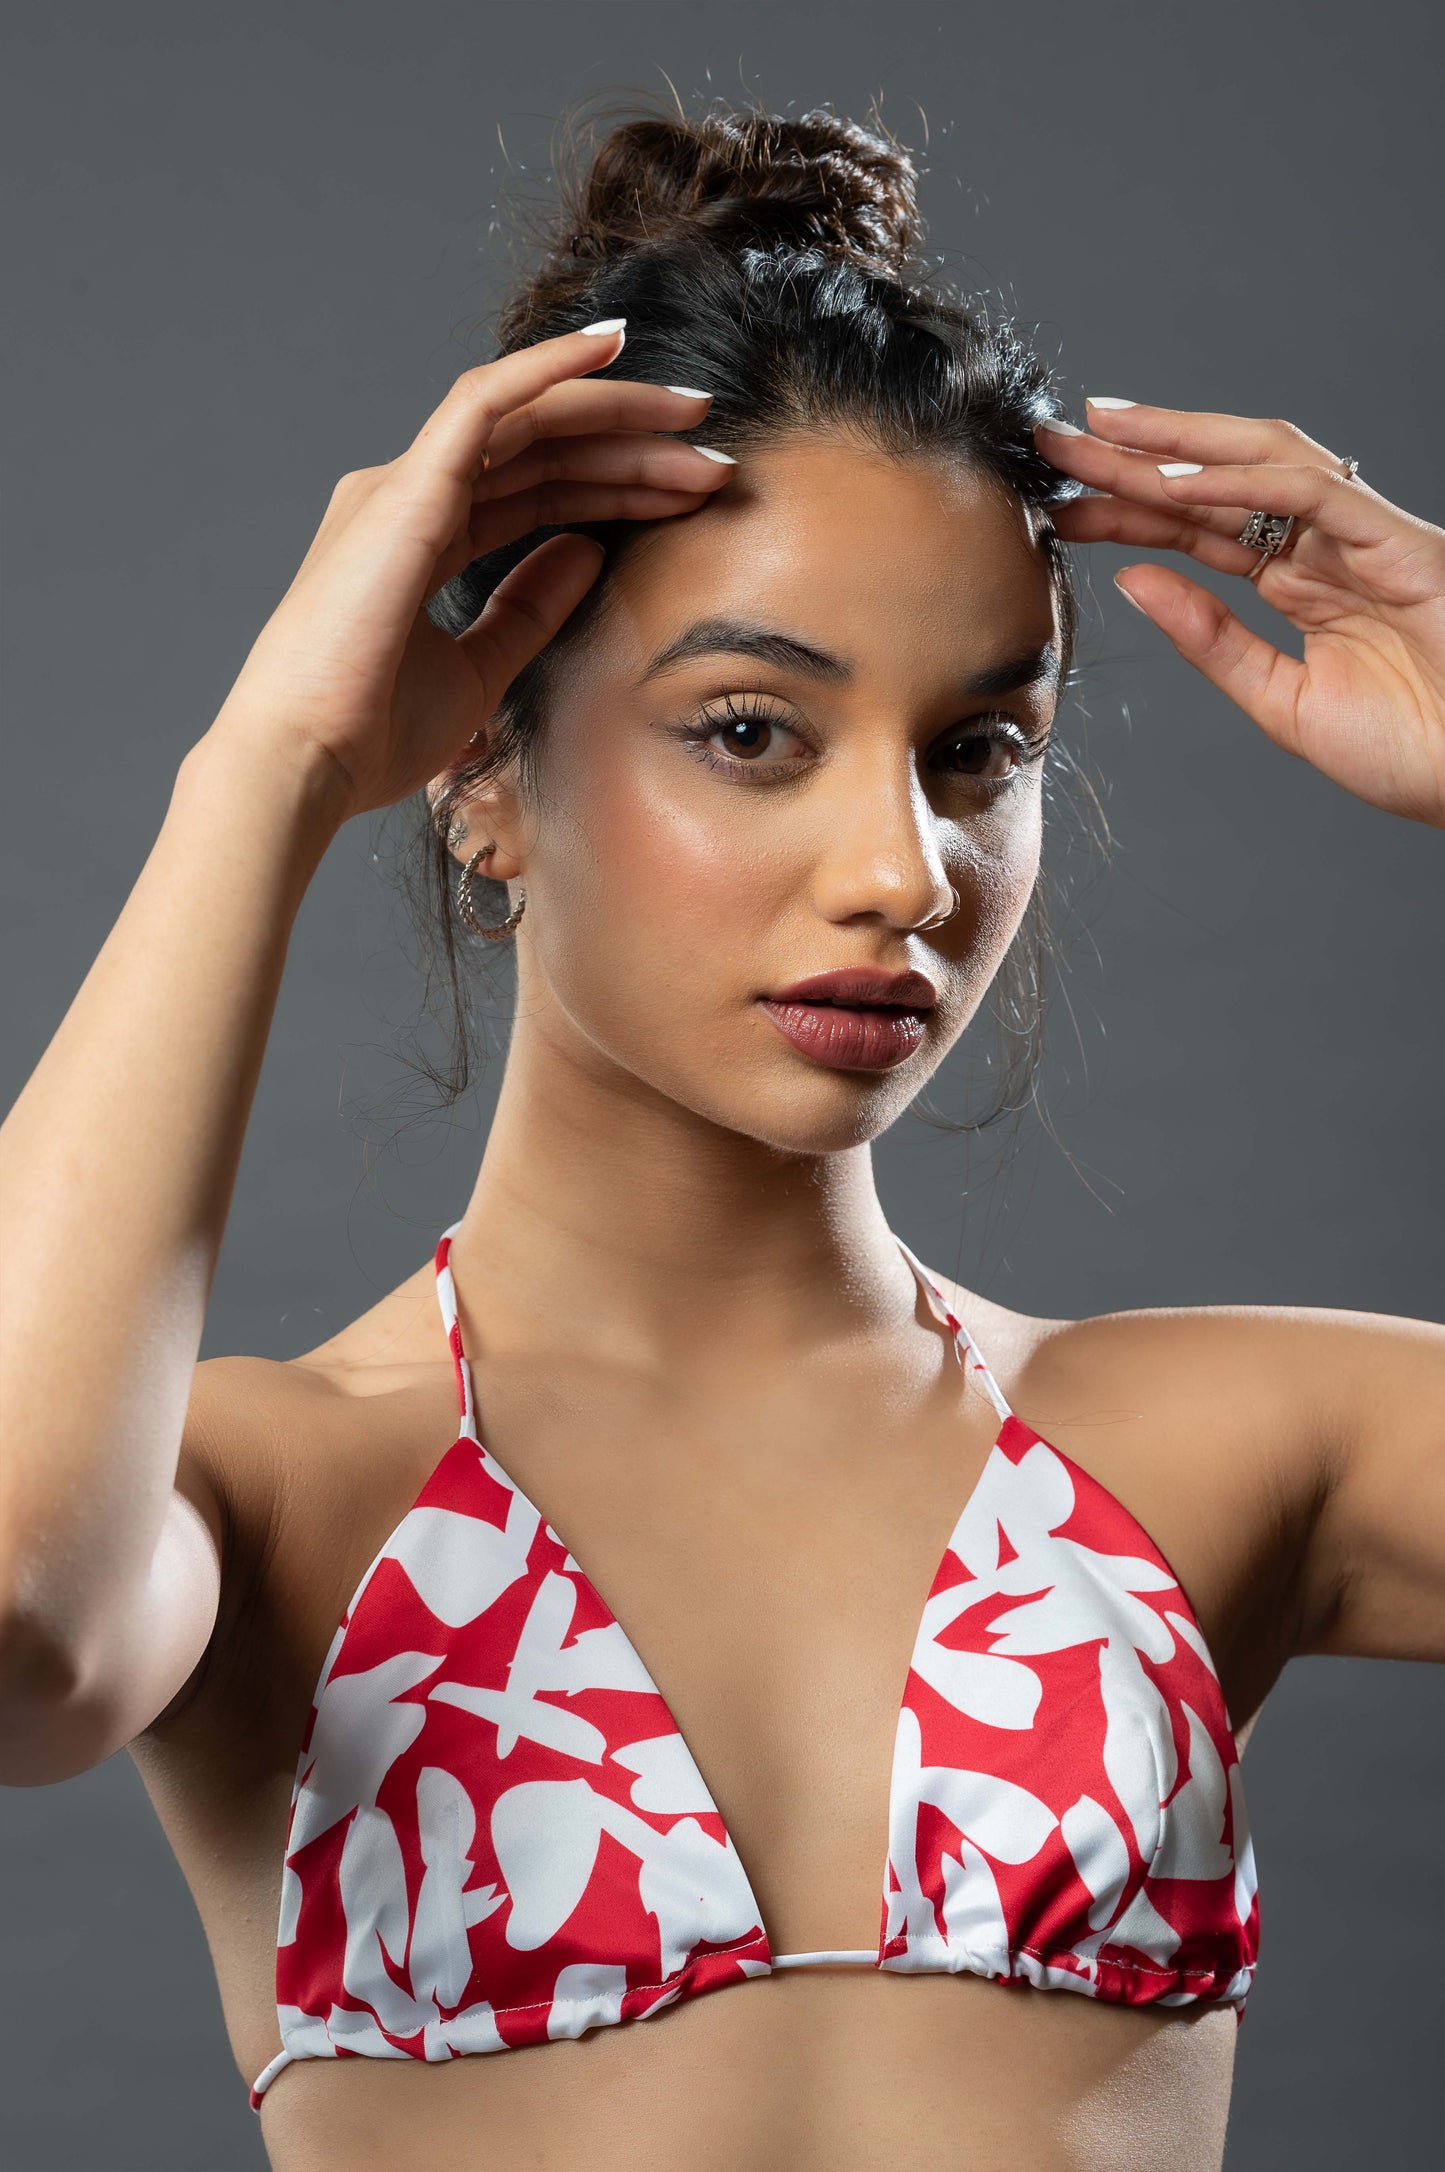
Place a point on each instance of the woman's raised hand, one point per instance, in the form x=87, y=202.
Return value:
x=349, y=670
x=1361, y=579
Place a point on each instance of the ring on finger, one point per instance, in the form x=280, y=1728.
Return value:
x=1268, y=533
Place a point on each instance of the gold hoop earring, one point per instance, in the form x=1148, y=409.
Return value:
x=502, y=928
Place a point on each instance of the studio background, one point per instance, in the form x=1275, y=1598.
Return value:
x=247, y=251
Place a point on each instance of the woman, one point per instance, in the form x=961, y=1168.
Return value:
x=749, y=769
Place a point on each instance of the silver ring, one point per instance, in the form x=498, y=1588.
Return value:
x=1351, y=466
x=1269, y=532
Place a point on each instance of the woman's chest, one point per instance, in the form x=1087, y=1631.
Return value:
x=737, y=1600
x=742, y=1570
x=713, y=1607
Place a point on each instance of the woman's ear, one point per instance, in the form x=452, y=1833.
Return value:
x=488, y=814
x=481, y=813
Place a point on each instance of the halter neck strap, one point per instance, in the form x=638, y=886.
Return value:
x=970, y=1356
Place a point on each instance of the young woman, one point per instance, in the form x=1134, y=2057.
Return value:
x=658, y=1595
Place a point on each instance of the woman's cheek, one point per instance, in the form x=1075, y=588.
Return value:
x=996, y=879
x=651, y=897
x=1009, y=893
x=1002, y=867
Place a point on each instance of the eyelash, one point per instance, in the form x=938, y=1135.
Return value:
x=716, y=717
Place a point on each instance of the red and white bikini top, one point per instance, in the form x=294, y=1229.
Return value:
x=499, y=1836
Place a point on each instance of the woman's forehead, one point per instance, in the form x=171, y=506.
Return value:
x=853, y=553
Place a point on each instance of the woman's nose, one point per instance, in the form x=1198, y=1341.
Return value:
x=881, y=857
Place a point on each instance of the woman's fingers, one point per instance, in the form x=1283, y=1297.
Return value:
x=1228, y=466
x=1264, y=682
x=525, y=403
x=1191, y=434
x=1153, y=528
x=586, y=407
x=559, y=505
x=662, y=463
x=1121, y=472
x=552, y=405
x=1323, y=497
x=457, y=434
x=527, y=608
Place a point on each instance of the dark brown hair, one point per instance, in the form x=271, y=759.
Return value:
x=771, y=262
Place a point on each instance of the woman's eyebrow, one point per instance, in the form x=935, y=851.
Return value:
x=736, y=637
x=1034, y=666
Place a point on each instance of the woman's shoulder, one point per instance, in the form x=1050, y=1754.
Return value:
x=1273, y=1422
x=1224, y=1429
x=296, y=1464
x=239, y=1400
x=1291, y=1374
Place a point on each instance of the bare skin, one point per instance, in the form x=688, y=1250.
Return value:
x=668, y=1184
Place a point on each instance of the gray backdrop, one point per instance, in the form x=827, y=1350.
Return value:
x=247, y=251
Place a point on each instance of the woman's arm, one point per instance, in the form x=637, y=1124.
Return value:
x=1375, y=1567
x=117, y=1162
x=116, y=1170
x=1364, y=582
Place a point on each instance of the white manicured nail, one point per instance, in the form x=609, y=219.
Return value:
x=603, y=326
x=1102, y=400
x=1123, y=591
x=1179, y=467
x=724, y=459
x=686, y=392
x=1060, y=428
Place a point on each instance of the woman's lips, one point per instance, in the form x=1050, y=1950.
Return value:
x=848, y=1037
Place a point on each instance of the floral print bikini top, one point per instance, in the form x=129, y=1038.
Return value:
x=499, y=1836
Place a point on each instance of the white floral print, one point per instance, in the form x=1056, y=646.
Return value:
x=499, y=1836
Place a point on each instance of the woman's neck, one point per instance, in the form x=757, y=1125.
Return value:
x=659, y=1231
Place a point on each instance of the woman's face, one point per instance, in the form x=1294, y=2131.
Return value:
x=802, y=714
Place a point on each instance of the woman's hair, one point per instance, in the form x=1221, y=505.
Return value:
x=771, y=262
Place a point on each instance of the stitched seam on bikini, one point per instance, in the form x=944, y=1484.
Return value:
x=1072, y=1961
x=567, y=2006
x=1038, y=1953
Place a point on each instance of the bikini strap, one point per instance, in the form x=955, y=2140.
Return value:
x=447, y=1298
x=969, y=1354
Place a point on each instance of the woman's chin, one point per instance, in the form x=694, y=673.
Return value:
x=801, y=1108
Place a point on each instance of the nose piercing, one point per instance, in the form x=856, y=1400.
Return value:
x=940, y=918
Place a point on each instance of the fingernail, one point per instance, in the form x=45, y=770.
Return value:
x=1102, y=399
x=1123, y=591
x=1060, y=428
x=686, y=392
x=603, y=326
x=1179, y=467
x=724, y=459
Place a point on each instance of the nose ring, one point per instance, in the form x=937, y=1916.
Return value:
x=939, y=920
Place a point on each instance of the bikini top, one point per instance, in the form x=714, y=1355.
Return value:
x=498, y=1835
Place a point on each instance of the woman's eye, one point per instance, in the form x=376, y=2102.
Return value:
x=745, y=735
x=990, y=757
x=746, y=741
x=754, y=746
x=977, y=755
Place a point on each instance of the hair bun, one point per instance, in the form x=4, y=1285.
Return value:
x=752, y=178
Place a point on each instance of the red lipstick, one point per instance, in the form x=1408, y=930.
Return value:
x=856, y=1018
